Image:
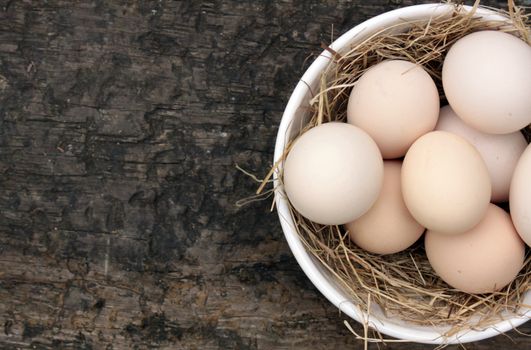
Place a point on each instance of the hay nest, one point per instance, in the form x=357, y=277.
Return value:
x=404, y=284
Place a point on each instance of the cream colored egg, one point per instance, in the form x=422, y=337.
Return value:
x=333, y=173
x=487, y=80
x=395, y=102
x=520, y=196
x=445, y=183
x=500, y=152
x=387, y=227
x=484, y=259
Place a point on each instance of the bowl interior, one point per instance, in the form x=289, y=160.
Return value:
x=295, y=117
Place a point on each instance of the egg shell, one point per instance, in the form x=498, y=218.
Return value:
x=387, y=227
x=445, y=183
x=500, y=152
x=333, y=173
x=486, y=77
x=395, y=102
x=520, y=196
x=484, y=259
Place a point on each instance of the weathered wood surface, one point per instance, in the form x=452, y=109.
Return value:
x=120, y=125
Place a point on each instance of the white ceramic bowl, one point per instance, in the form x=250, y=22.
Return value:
x=294, y=117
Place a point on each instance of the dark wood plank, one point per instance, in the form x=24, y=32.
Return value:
x=120, y=126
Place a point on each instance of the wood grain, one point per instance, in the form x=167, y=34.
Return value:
x=120, y=127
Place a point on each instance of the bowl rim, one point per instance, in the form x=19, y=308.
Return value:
x=304, y=259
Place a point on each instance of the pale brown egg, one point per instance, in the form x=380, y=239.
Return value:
x=395, y=102
x=482, y=260
x=387, y=227
x=500, y=152
x=333, y=173
x=445, y=183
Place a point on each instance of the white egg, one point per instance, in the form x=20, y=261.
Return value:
x=520, y=196
x=487, y=80
x=333, y=173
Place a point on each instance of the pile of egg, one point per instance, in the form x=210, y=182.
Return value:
x=402, y=167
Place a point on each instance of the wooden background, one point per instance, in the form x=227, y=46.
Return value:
x=120, y=127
